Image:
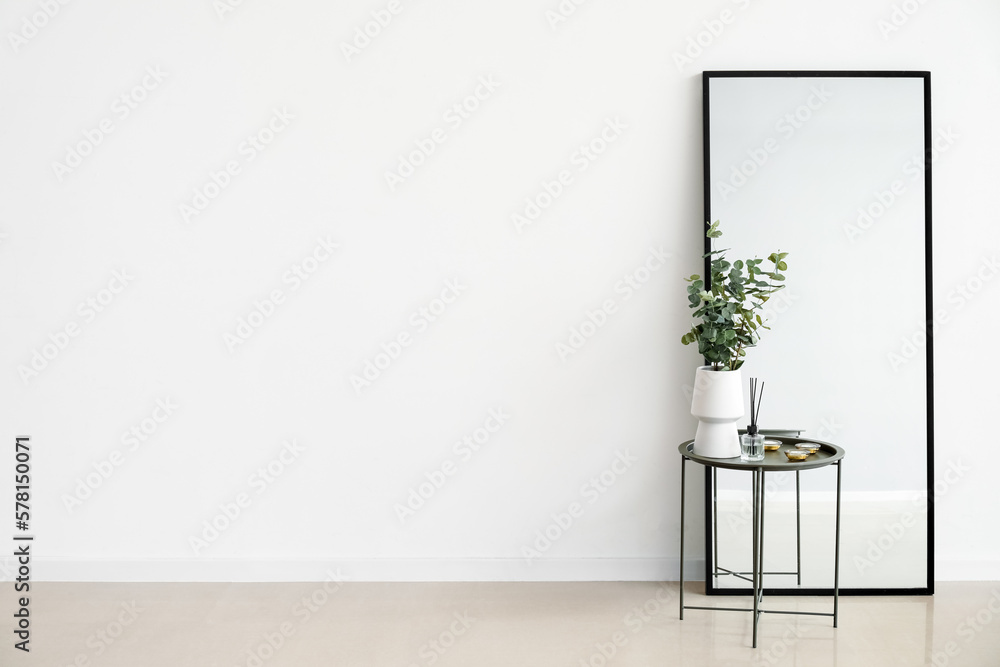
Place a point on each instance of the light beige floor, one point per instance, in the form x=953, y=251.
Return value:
x=484, y=624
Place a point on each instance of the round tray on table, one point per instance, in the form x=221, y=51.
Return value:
x=773, y=461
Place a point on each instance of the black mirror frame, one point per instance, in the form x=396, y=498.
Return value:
x=928, y=589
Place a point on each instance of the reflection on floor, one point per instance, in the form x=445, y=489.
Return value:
x=618, y=624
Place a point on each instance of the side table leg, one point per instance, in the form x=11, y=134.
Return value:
x=798, y=533
x=715, y=525
x=836, y=556
x=760, y=551
x=756, y=552
x=683, y=467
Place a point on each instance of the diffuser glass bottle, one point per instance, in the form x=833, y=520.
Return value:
x=751, y=445
x=751, y=442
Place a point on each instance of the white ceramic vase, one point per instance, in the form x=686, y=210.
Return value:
x=717, y=402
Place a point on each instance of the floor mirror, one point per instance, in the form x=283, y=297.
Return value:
x=834, y=169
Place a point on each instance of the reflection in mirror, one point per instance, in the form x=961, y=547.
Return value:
x=829, y=167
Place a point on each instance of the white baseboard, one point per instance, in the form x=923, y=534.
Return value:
x=405, y=569
x=967, y=570
x=370, y=569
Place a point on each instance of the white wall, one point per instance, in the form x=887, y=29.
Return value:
x=494, y=347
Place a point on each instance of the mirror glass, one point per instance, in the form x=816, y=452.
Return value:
x=830, y=168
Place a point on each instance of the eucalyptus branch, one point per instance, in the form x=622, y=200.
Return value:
x=728, y=308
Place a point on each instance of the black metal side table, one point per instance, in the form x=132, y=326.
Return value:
x=774, y=461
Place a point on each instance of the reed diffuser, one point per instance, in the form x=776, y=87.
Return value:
x=751, y=442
